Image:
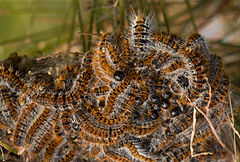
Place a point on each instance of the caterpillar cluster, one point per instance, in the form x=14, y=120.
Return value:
x=132, y=99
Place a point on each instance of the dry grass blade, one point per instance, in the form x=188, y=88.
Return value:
x=2, y=156
x=211, y=126
x=8, y=148
x=193, y=131
x=232, y=125
x=214, y=131
x=234, y=129
x=192, y=138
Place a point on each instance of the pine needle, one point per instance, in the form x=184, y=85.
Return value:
x=81, y=26
x=163, y=9
x=191, y=15
x=121, y=9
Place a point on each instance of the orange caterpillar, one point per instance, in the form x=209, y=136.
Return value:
x=10, y=107
x=140, y=33
x=27, y=116
x=116, y=92
x=12, y=80
x=105, y=63
x=71, y=98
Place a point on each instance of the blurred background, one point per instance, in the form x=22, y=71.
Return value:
x=45, y=27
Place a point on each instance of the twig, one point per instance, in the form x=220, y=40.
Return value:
x=81, y=33
x=48, y=56
x=55, y=54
